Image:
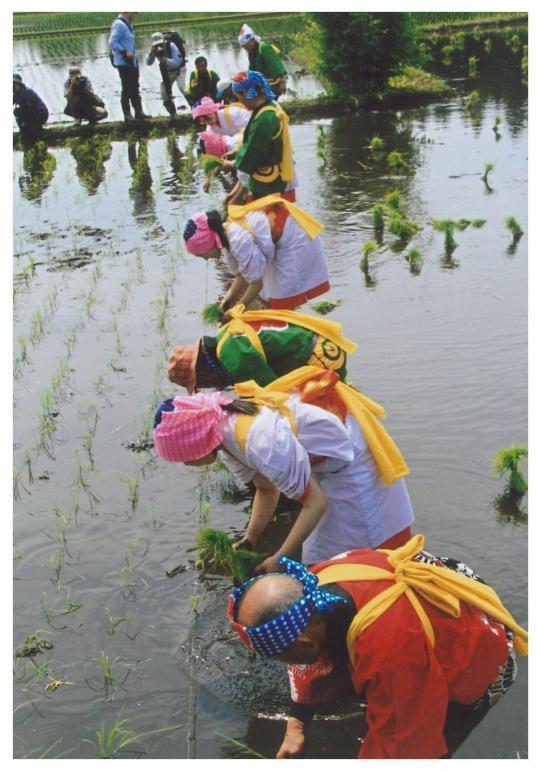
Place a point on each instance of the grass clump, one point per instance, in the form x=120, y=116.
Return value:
x=507, y=461
x=217, y=553
x=325, y=306
x=212, y=314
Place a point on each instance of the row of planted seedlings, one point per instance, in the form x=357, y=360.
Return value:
x=102, y=674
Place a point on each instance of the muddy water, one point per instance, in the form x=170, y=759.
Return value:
x=98, y=525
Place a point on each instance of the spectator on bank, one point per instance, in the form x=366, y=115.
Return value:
x=31, y=112
x=122, y=46
x=264, y=57
x=172, y=66
x=82, y=102
x=202, y=82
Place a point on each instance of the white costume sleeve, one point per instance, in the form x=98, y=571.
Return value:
x=239, y=470
x=251, y=251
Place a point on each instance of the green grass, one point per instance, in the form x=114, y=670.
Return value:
x=507, y=462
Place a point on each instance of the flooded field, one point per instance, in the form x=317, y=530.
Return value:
x=104, y=569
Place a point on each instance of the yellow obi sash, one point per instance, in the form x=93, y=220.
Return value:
x=286, y=165
x=390, y=463
x=309, y=224
x=239, y=325
x=259, y=396
x=439, y=585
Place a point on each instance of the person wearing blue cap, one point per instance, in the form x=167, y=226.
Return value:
x=31, y=112
x=422, y=639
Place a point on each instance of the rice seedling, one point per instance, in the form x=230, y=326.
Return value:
x=368, y=248
x=525, y=65
x=402, y=228
x=218, y=554
x=241, y=745
x=507, y=461
x=377, y=213
x=487, y=169
x=514, y=44
x=133, y=491
x=515, y=229
x=114, y=622
x=17, y=485
x=128, y=582
x=479, y=223
x=325, y=306
x=58, y=608
x=28, y=464
x=472, y=101
x=447, y=52
x=458, y=40
x=102, y=388
x=88, y=444
x=395, y=160
x=37, y=327
x=212, y=314
x=393, y=200
x=446, y=227
x=82, y=482
x=110, y=741
x=109, y=670
x=488, y=45
x=473, y=66
x=376, y=144
x=477, y=34
x=413, y=256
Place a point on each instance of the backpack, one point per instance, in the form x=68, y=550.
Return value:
x=172, y=36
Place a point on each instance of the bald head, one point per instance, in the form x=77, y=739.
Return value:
x=268, y=597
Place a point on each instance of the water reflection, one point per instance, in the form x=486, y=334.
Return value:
x=39, y=166
x=90, y=156
x=140, y=190
x=510, y=509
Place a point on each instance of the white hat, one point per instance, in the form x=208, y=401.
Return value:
x=246, y=34
x=157, y=38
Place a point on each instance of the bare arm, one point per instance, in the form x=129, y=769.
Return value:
x=294, y=740
x=313, y=508
x=263, y=507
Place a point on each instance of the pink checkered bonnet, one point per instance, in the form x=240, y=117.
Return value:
x=206, y=106
x=198, y=235
x=190, y=427
x=214, y=144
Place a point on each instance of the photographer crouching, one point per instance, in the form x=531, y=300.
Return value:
x=81, y=101
x=169, y=51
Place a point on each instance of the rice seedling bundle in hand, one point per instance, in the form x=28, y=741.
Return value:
x=212, y=314
x=507, y=462
x=210, y=163
x=217, y=553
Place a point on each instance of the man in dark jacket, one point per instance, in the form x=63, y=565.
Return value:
x=82, y=102
x=30, y=113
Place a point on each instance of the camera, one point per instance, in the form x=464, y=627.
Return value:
x=159, y=49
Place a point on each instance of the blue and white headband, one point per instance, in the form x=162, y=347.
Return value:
x=276, y=635
x=252, y=82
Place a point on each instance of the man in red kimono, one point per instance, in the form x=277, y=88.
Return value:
x=423, y=640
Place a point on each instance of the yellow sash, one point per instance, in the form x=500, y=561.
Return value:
x=239, y=325
x=390, y=462
x=286, y=165
x=440, y=586
x=309, y=224
x=259, y=396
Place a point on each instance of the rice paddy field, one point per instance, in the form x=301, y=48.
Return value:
x=121, y=646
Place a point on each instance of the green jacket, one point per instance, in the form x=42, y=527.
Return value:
x=197, y=91
x=286, y=347
x=264, y=58
x=261, y=152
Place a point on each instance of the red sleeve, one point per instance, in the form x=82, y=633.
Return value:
x=406, y=693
